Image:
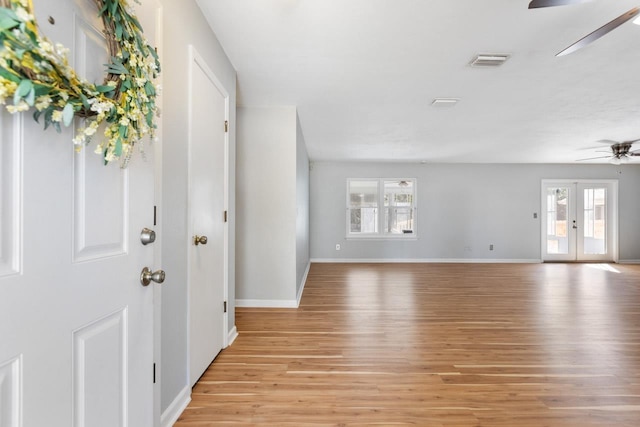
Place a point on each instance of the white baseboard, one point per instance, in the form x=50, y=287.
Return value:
x=629, y=261
x=267, y=303
x=173, y=412
x=427, y=260
x=304, y=282
x=233, y=334
x=276, y=303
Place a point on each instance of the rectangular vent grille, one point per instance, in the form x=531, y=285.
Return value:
x=489, y=60
x=444, y=102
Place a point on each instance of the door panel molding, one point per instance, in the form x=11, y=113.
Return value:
x=100, y=192
x=100, y=209
x=11, y=141
x=11, y=392
x=100, y=368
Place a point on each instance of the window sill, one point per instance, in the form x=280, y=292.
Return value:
x=384, y=237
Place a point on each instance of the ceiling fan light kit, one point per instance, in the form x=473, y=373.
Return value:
x=620, y=152
x=619, y=160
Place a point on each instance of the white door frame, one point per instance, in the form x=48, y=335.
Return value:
x=157, y=254
x=195, y=59
x=612, y=215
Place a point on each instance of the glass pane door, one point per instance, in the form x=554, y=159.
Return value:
x=578, y=221
x=592, y=240
x=559, y=240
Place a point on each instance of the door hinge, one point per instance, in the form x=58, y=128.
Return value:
x=154, y=373
x=225, y=306
x=226, y=125
x=225, y=216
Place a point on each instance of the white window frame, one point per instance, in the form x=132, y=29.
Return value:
x=380, y=234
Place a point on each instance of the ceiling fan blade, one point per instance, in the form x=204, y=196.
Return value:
x=590, y=38
x=593, y=158
x=550, y=3
x=607, y=141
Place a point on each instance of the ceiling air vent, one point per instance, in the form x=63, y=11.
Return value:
x=489, y=60
x=444, y=102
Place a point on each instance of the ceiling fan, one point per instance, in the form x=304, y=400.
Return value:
x=591, y=37
x=620, y=152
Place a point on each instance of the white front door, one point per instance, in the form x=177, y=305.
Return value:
x=579, y=220
x=208, y=112
x=76, y=325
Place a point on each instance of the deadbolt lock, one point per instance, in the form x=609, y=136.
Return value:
x=147, y=236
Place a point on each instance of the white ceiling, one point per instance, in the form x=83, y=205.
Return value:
x=363, y=74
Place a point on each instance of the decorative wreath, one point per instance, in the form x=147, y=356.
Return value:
x=35, y=73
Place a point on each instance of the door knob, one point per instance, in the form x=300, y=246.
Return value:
x=147, y=276
x=147, y=236
x=199, y=240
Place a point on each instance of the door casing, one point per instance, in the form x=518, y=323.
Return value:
x=612, y=220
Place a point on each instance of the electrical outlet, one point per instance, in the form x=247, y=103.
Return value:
x=491, y=247
x=535, y=215
x=337, y=246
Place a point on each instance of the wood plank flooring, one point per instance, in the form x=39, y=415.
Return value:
x=498, y=345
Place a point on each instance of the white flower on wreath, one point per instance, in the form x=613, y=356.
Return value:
x=24, y=15
x=111, y=156
x=79, y=139
x=100, y=107
x=21, y=106
x=62, y=50
x=91, y=130
x=43, y=102
x=47, y=47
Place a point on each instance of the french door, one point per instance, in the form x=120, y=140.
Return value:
x=579, y=220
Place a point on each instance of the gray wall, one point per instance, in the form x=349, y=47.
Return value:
x=184, y=25
x=266, y=197
x=462, y=206
x=302, y=208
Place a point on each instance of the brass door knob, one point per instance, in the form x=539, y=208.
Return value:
x=199, y=240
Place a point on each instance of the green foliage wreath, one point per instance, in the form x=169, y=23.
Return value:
x=35, y=73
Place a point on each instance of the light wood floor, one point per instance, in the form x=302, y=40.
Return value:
x=436, y=345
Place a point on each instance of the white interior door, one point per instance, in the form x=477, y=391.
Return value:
x=76, y=331
x=207, y=207
x=579, y=220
